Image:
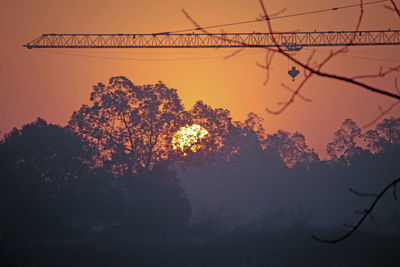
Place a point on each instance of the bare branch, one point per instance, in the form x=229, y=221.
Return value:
x=317, y=70
x=380, y=74
x=386, y=111
x=396, y=87
x=362, y=194
x=367, y=212
x=395, y=7
x=319, y=66
x=268, y=61
x=292, y=90
x=309, y=71
x=383, y=113
x=291, y=100
x=278, y=12
x=234, y=53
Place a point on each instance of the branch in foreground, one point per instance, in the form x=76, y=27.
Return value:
x=383, y=113
x=380, y=74
x=362, y=194
x=386, y=111
x=307, y=67
x=395, y=7
x=366, y=213
x=317, y=71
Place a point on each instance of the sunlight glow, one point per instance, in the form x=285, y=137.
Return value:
x=188, y=137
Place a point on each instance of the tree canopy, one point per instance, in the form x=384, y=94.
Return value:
x=131, y=125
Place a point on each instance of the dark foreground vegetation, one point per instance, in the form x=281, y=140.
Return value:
x=242, y=247
x=109, y=190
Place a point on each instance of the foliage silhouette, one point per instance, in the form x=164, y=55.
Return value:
x=292, y=148
x=131, y=125
x=64, y=189
x=386, y=134
x=43, y=175
x=52, y=194
x=344, y=144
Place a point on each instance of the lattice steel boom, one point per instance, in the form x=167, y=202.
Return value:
x=288, y=40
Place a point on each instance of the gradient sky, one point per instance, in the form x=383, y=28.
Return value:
x=52, y=85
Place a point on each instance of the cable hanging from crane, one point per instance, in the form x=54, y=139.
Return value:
x=276, y=17
x=159, y=59
x=290, y=41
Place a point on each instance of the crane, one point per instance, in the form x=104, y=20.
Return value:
x=290, y=41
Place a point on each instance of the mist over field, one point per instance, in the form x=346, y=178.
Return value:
x=129, y=182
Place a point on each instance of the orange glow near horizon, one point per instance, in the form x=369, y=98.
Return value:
x=53, y=83
x=188, y=137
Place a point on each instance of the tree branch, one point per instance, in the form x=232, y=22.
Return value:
x=362, y=194
x=395, y=7
x=366, y=213
x=312, y=70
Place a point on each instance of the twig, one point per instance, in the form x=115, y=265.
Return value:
x=320, y=65
x=395, y=7
x=291, y=100
x=313, y=70
x=292, y=90
x=396, y=87
x=367, y=212
x=233, y=54
x=363, y=212
x=268, y=61
x=383, y=113
x=380, y=74
x=362, y=194
x=317, y=70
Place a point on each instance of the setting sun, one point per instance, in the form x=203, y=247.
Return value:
x=188, y=137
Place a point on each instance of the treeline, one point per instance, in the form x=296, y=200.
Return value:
x=275, y=180
x=112, y=175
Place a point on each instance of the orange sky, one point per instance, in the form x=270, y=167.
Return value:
x=43, y=83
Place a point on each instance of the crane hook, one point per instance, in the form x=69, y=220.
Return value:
x=293, y=72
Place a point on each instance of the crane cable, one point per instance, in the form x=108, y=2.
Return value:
x=199, y=58
x=230, y=24
x=276, y=17
x=146, y=59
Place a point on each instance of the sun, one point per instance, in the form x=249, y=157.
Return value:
x=188, y=138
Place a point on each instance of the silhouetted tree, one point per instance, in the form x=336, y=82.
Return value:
x=218, y=122
x=386, y=133
x=155, y=203
x=49, y=189
x=344, y=144
x=292, y=148
x=254, y=122
x=131, y=125
x=44, y=171
x=338, y=149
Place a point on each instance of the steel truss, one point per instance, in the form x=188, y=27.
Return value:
x=293, y=41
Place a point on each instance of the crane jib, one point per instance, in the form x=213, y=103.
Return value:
x=292, y=41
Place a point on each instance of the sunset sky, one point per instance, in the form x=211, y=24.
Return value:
x=52, y=83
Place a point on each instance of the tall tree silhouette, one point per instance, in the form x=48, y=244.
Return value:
x=292, y=148
x=218, y=122
x=44, y=173
x=132, y=125
x=386, y=133
x=155, y=203
x=344, y=144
